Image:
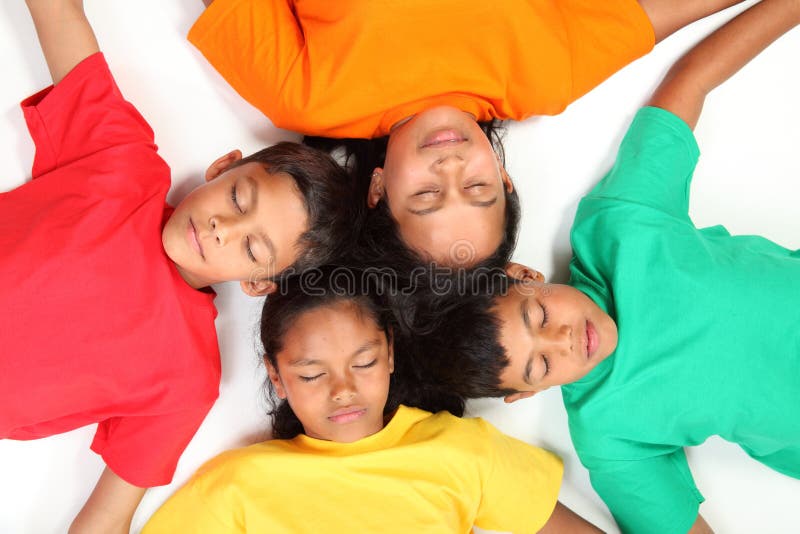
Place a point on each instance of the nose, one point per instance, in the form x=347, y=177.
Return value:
x=343, y=389
x=449, y=164
x=556, y=340
x=223, y=229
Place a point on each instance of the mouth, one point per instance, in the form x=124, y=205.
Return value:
x=592, y=340
x=443, y=138
x=347, y=415
x=194, y=242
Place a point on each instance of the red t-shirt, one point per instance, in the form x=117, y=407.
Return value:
x=98, y=326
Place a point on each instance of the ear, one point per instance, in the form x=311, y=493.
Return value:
x=517, y=396
x=275, y=378
x=390, y=341
x=258, y=288
x=376, y=192
x=523, y=273
x=509, y=185
x=222, y=164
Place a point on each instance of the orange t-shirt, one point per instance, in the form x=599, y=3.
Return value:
x=353, y=68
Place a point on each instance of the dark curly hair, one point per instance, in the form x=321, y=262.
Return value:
x=380, y=243
x=329, y=196
x=326, y=286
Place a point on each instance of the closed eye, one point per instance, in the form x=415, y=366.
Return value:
x=235, y=199
x=367, y=365
x=310, y=378
x=546, y=364
x=249, y=250
x=426, y=192
x=544, y=314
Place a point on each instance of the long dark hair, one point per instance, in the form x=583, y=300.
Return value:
x=327, y=286
x=379, y=243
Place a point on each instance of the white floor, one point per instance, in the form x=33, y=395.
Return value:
x=748, y=179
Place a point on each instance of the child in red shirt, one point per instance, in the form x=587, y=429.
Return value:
x=108, y=315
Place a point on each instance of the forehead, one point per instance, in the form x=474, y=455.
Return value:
x=458, y=236
x=329, y=332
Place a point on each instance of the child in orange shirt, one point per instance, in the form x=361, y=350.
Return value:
x=426, y=74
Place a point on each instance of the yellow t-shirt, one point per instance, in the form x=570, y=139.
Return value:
x=353, y=68
x=422, y=473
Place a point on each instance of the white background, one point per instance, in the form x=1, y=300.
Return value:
x=748, y=179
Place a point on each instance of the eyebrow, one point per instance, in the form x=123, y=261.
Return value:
x=526, y=376
x=523, y=310
x=476, y=203
x=253, y=184
x=304, y=362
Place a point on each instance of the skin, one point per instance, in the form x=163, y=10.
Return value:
x=552, y=350
x=241, y=225
x=334, y=371
x=444, y=186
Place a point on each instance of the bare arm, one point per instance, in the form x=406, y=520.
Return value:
x=64, y=33
x=565, y=521
x=110, y=507
x=722, y=54
x=700, y=527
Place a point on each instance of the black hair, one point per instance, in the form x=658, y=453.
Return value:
x=380, y=243
x=323, y=287
x=457, y=336
x=329, y=197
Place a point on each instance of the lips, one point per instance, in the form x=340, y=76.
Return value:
x=592, y=340
x=443, y=138
x=347, y=415
x=194, y=242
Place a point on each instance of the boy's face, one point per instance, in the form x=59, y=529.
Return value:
x=334, y=369
x=553, y=334
x=243, y=224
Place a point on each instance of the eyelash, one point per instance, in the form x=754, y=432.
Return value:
x=235, y=199
x=546, y=365
x=544, y=314
x=365, y=366
x=428, y=191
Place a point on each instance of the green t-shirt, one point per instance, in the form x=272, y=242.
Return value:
x=709, y=335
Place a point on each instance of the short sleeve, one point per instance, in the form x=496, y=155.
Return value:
x=654, y=164
x=144, y=450
x=83, y=114
x=521, y=489
x=253, y=44
x=655, y=495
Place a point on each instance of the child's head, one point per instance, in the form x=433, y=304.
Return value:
x=437, y=191
x=329, y=356
x=552, y=334
x=520, y=339
x=287, y=206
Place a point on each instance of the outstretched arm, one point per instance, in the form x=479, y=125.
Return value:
x=110, y=507
x=722, y=54
x=64, y=33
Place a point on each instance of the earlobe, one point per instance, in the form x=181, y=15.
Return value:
x=509, y=185
x=222, y=163
x=375, y=193
x=523, y=273
x=275, y=379
x=518, y=396
x=258, y=288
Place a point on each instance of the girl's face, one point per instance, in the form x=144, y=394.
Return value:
x=444, y=186
x=334, y=371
